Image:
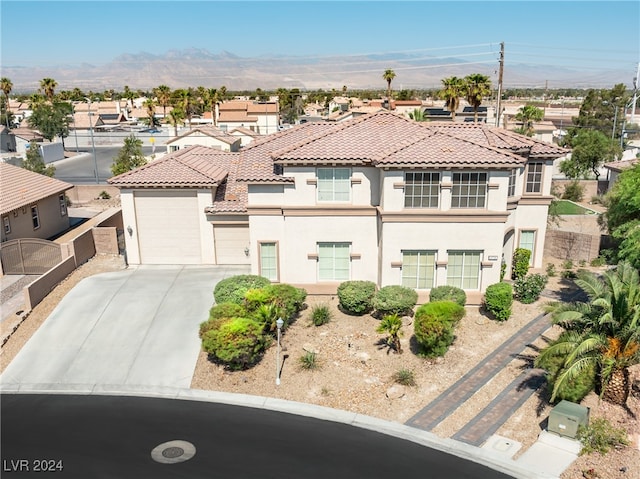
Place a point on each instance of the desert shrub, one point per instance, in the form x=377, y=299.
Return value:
x=321, y=314
x=356, y=297
x=394, y=299
x=238, y=343
x=104, y=195
x=309, y=361
x=521, y=257
x=392, y=325
x=551, y=270
x=573, y=191
x=503, y=270
x=568, y=274
x=599, y=261
x=210, y=324
x=600, y=436
x=234, y=288
x=288, y=298
x=227, y=310
x=498, y=299
x=256, y=297
x=406, y=377
x=267, y=315
x=528, y=289
x=567, y=264
x=433, y=326
x=448, y=293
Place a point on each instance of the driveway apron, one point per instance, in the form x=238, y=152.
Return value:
x=132, y=327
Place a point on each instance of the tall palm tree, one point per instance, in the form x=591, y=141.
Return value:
x=453, y=89
x=477, y=87
x=527, y=115
x=163, y=96
x=176, y=115
x=48, y=86
x=185, y=101
x=603, y=334
x=388, y=76
x=129, y=95
x=151, y=113
x=6, y=86
x=213, y=101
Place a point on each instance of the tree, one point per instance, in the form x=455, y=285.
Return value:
x=417, y=115
x=129, y=95
x=622, y=217
x=129, y=157
x=392, y=325
x=52, y=120
x=176, y=116
x=603, y=333
x=6, y=86
x=35, y=163
x=151, y=113
x=527, y=115
x=163, y=96
x=388, y=76
x=453, y=89
x=48, y=86
x=477, y=87
x=184, y=99
x=590, y=149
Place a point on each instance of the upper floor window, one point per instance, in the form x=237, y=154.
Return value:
x=534, y=177
x=334, y=184
x=421, y=190
x=511, y=191
x=63, y=205
x=469, y=190
x=35, y=217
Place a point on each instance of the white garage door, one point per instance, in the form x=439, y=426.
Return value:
x=168, y=227
x=231, y=242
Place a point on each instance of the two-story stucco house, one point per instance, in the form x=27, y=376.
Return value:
x=378, y=198
x=206, y=136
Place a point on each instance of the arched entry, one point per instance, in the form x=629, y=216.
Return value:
x=507, y=250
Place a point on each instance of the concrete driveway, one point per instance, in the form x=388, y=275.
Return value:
x=133, y=327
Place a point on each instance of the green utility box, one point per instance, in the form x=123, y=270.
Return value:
x=565, y=418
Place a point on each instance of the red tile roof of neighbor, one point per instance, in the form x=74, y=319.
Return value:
x=20, y=187
x=621, y=165
x=210, y=131
x=382, y=139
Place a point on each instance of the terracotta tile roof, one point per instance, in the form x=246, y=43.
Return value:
x=262, y=108
x=235, y=116
x=240, y=130
x=27, y=134
x=20, y=187
x=82, y=119
x=210, y=131
x=618, y=166
x=197, y=166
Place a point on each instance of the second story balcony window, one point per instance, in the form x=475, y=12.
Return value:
x=534, y=177
x=421, y=190
x=469, y=190
x=334, y=184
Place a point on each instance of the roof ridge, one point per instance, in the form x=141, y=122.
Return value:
x=489, y=147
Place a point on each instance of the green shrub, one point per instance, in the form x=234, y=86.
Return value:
x=288, y=298
x=567, y=264
x=267, y=315
x=256, y=297
x=600, y=436
x=568, y=274
x=551, y=270
x=405, y=377
x=392, y=325
x=528, y=289
x=498, y=299
x=234, y=288
x=433, y=326
x=238, y=343
x=309, y=361
x=503, y=270
x=356, y=297
x=448, y=293
x=210, y=324
x=394, y=299
x=599, y=261
x=227, y=310
x=321, y=314
x=573, y=191
x=104, y=195
x=520, y=264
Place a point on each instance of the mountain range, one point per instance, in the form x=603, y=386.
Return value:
x=199, y=67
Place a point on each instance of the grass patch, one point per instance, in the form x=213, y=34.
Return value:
x=564, y=207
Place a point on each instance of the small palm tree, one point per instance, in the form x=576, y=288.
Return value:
x=527, y=115
x=453, y=89
x=417, y=115
x=392, y=325
x=48, y=86
x=388, y=76
x=603, y=333
x=477, y=88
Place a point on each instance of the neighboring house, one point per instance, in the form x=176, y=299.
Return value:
x=205, y=136
x=246, y=136
x=404, y=107
x=379, y=198
x=616, y=167
x=32, y=205
x=260, y=117
x=22, y=138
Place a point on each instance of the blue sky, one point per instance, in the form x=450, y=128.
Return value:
x=579, y=34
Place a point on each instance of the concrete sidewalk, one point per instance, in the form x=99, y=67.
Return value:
x=133, y=327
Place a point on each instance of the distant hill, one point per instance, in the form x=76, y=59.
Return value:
x=198, y=67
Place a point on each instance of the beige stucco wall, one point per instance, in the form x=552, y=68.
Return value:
x=52, y=221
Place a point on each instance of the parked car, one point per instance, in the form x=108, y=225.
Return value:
x=150, y=130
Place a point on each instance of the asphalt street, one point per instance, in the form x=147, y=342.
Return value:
x=73, y=436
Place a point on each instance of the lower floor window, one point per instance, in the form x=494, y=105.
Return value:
x=334, y=261
x=527, y=241
x=463, y=269
x=269, y=261
x=418, y=269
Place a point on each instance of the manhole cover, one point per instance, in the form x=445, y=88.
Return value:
x=173, y=452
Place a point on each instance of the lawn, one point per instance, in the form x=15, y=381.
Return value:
x=564, y=207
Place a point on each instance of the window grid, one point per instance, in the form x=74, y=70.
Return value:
x=469, y=190
x=512, y=183
x=421, y=190
x=63, y=205
x=534, y=177
x=35, y=218
x=463, y=269
x=334, y=261
x=527, y=241
x=334, y=184
x=418, y=269
x=269, y=261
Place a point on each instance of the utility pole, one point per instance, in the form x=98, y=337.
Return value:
x=635, y=95
x=500, y=73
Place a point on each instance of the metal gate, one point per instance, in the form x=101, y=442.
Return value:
x=29, y=256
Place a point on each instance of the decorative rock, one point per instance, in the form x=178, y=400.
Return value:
x=363, y=357
x=310, y=348
x=396, y=391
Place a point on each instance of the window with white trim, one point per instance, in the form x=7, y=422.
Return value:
x=334, y=261
x=528, y=241
x=418, y=269
x=269, y=261
x=511, y=191
x=63, y=205
x=35, y=217
x=6, y=224
x=534, y=177
x=334, y=184
x=421, y=189
x=469, y=190
x=463, y=269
